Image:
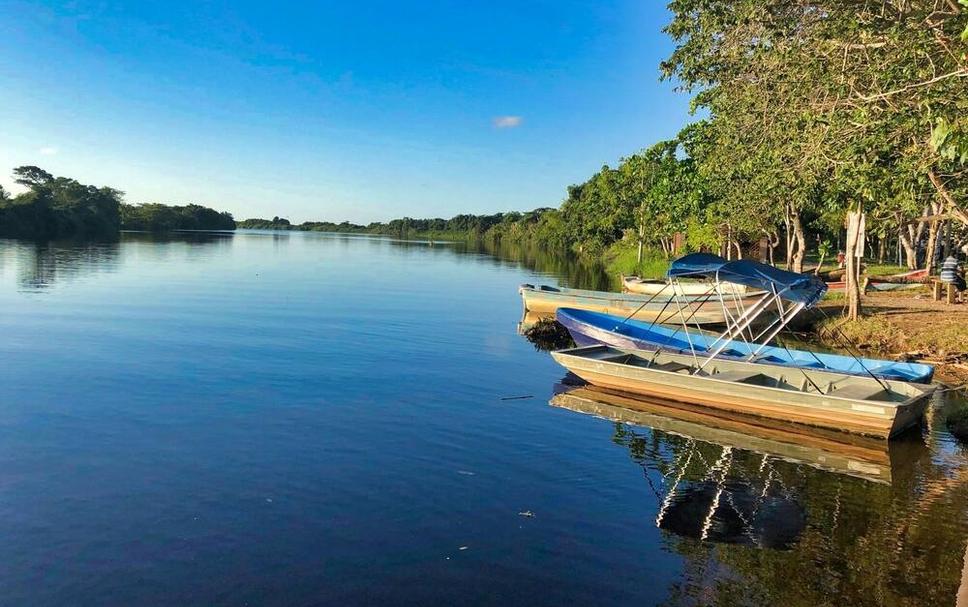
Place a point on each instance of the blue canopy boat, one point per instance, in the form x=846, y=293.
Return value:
x=591, y=328
x=747, y=337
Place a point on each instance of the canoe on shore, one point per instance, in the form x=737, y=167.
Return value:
x=544, y=301
x=896, y=282
x=589, y=328
x=860, y=405
x=848, y=454
x=646, y=286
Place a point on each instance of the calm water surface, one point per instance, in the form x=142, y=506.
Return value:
x=299, y=419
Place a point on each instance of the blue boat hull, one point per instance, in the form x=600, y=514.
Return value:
x=590, y=328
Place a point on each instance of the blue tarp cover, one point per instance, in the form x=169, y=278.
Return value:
x=790, y=286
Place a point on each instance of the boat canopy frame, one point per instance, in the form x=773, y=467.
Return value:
x=783, y=292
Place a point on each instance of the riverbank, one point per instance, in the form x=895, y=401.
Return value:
x=903, y=326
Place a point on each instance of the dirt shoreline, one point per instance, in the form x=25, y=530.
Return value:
x=903, y=326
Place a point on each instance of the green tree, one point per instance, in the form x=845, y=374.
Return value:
x=815, y=106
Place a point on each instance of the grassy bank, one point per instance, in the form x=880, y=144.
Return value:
x=621, y=259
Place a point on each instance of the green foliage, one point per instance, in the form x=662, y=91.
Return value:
x=816, y=106
x=653, y=193
x=544, y=226
x=56, y=207
x=621, y=259
x=276, y=223
x=153, y=217
x=950, y=139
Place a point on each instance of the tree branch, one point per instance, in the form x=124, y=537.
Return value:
x=955, y=74
x=956, y=211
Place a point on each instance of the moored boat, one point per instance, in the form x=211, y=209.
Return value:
x=860, y=405
x=896, y=282
x=589, y=328
x=647, y=286
x=708, y=309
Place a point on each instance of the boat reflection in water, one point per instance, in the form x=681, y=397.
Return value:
x=721, y=482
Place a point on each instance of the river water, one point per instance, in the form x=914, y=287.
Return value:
x=301, y=419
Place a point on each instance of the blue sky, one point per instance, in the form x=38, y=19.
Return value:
x=340, y=111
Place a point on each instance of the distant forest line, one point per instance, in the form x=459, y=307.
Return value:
x=61, y=207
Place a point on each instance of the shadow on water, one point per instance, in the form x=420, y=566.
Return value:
x=767, y=513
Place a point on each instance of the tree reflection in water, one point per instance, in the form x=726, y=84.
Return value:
x=41, y=265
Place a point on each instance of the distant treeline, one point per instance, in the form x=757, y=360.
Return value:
x=61, y=207
x=154, y=217
x=477, y=227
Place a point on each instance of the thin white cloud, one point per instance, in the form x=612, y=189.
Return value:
x=507, y=122
x=48, y=150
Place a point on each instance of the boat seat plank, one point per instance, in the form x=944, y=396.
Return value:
x=858, y=392
x=615, y=358
x=735, y=376
x=674, y=367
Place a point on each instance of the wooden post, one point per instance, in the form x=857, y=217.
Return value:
x=936, y=290
x=951, y=293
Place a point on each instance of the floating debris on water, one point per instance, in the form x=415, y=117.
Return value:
x=526, y=513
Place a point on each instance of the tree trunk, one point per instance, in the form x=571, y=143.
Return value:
x=772, y=241
x=952, y=207
x=853, y=266
x=881, y=249
x=934, y=233
x=788, y=235
x=932, y=246
x=910, y=253
x=946, y=229
x=641, y=239
x=800, y=239
x=910, y=236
